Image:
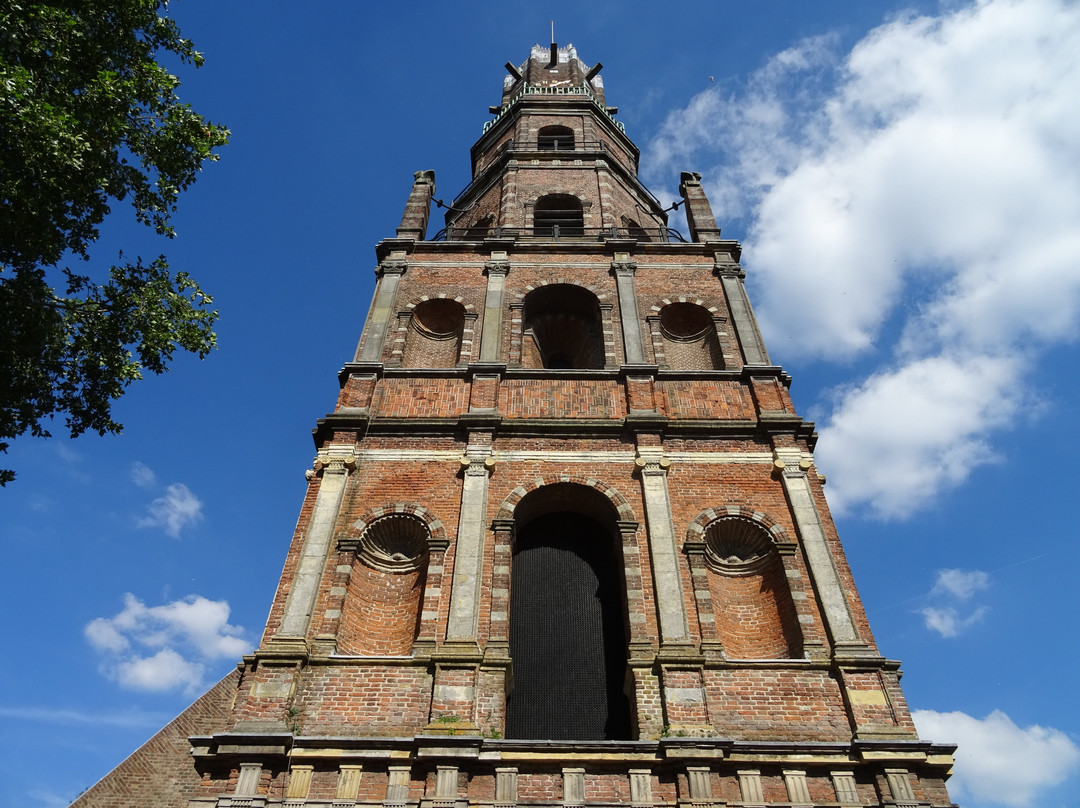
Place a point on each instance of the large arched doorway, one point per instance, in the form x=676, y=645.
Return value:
x=567, y=619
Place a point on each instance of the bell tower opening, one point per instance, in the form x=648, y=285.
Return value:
x=555, y=138
x=563, y=329
x=559, y=215
x=568, y=635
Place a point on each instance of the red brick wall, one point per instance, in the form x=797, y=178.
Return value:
x=776, y=703
x=382, y=611
x=754, y=613
x=364, y=699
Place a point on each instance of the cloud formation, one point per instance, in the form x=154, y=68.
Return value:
x=173, y=511
x=999, y=763
x=142, y=475
x=161, y=648
x=948, y=622
x=952, y=588
x=960, y=584
x=912, y=202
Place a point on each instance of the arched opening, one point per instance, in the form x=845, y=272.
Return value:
x=434, y=337
x=755, y=614
x=555, y=138
x=563, y=329
x=635, y=230
x=479, y=230
x=558, y=216
x=568, y=634
x=690, y=340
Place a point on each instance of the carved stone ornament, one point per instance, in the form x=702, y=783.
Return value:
x=396, y=542
x=736, y=546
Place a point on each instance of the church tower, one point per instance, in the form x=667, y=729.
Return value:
x=564, y=540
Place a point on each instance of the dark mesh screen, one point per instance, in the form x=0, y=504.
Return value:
x=566, y=633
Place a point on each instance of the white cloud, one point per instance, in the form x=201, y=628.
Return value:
x=997, y=762
x=173, y=511
x=902, y=436
x=960, y=584
x=918, y=198
x=103, y=635
x=955, y=585
x=165, y=670
x=142, y=475
x=194, y=625
x=947, y=621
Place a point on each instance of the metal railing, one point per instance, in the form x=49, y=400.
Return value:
x=538, y=89
x=560, y=233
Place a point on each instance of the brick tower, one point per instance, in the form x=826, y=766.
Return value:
x=564, y=541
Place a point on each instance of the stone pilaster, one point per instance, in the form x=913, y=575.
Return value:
x=750, y=788
x=382, y=307
x=830, y=590
x=491, y=331
x=640, y=787
x=469, y=554
x=336, y=465
x=743, y=321
x=506, y=786
x=663, y=550
x=624, y=270
x=348, y=784
x=798, y=792
x=573, y=786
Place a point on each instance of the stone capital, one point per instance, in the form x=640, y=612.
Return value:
x=335, y=463
x=652, y=464
x=391, y=267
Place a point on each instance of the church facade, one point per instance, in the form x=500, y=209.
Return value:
x=564, y=541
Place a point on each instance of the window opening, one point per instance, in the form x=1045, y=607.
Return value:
x=563, y=328
x=635, y=230
x=555, y=138
x=558, y=215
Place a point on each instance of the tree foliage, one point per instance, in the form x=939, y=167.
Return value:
x=88, y=118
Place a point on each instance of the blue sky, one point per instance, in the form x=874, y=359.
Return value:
x=906, y=180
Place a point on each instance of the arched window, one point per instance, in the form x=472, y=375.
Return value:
x=563, y=329
x=480, y=229
x=558, y=216
x=567, y=619
x=386, y=587
x=689, y=335
x=634, y=230
x=434, y=336
x=754, y=612
x=555, y=138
